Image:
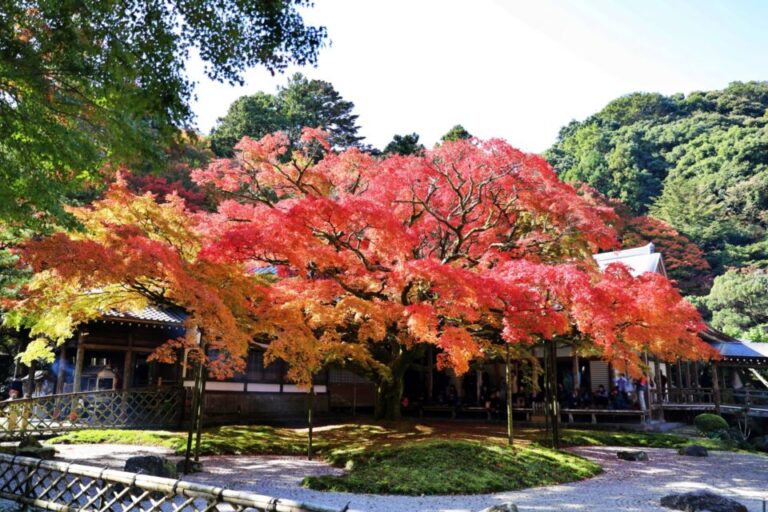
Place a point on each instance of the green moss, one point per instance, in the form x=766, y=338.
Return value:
x=451, y=467
x=576, y=437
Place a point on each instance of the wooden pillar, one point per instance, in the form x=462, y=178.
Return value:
x=696, y=370
x=659, y=388
x=576, y=373
x=153, y=373
x=80, y=355
x=715, y=387
x=62, y=370
x=688, y=380
x=128, y=370
x=29, y=388
x=430, y=373
x=478, y=385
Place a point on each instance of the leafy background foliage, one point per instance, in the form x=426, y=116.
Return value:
x=700, y=164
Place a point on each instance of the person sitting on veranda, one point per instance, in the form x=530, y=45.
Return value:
x=601, y=397
x=574, y=400
x=618, y=399
x=585, y=397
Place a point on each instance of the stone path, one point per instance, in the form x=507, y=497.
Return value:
x=624, y=486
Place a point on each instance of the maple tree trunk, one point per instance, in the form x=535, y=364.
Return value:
x=389, y=392
x=388, y=397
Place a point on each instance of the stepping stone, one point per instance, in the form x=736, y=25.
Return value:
x=504, y=507
x=632, y=455
x=694, y=450
x=150, y=465
x=701, y=501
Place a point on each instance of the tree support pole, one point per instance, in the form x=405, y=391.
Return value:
x=508, y=374
x=200, y=409
x=310, y=424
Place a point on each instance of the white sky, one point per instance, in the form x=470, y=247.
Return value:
x=512, y=69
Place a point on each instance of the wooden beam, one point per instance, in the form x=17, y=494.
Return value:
x=62, y=369
x=715, y=387
x=659, y=388
x=128, y=370
x=116, y=348
x=80, y=355
x=575, y=370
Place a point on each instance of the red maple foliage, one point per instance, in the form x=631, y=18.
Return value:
x=469, y=244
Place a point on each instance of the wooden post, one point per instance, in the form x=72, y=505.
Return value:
x=576, y=373
x=430, y=373
x=128, y=369
x=30, y=386
x=715, y=387
x=62, y=370
x=659, y=388
x=310, y=425
x=679, y=380
x=478, y=385
x=80, y=355
x=508, y=375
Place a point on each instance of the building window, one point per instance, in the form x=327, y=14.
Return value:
x=257, y=372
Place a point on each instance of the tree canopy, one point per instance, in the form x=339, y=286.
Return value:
x=458, y=132
x=302, y=102
x=89, y=82
x=404, y=145
x=463, y=246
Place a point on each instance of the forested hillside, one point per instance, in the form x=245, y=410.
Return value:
x=698, y=162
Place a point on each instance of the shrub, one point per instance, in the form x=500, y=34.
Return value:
x=710, y=423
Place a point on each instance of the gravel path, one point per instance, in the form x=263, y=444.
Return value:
x=625, y=486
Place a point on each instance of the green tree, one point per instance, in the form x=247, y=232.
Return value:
x=404, y=145
x=738, y=303
x=302, y=102
x=456, y=133
x=85, y=82
x=698, y=162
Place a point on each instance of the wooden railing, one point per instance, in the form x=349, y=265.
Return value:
x=135, y=408
x=683, y=396
x=64, y=487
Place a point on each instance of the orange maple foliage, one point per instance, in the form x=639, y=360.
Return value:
x=133, y=252
x=465, y=245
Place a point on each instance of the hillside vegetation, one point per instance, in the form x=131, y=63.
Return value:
x=699, y=162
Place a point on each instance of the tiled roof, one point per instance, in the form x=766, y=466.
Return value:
x=639, y=260
x=173, y=316
x=742, y=349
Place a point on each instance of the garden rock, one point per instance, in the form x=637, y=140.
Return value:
x=504, y=507
x=31, y=447
x=701, y=501
x=632, y=455
x=151, y=465
x=694, y=450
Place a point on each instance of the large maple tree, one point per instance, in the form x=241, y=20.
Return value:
x=470, y=244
